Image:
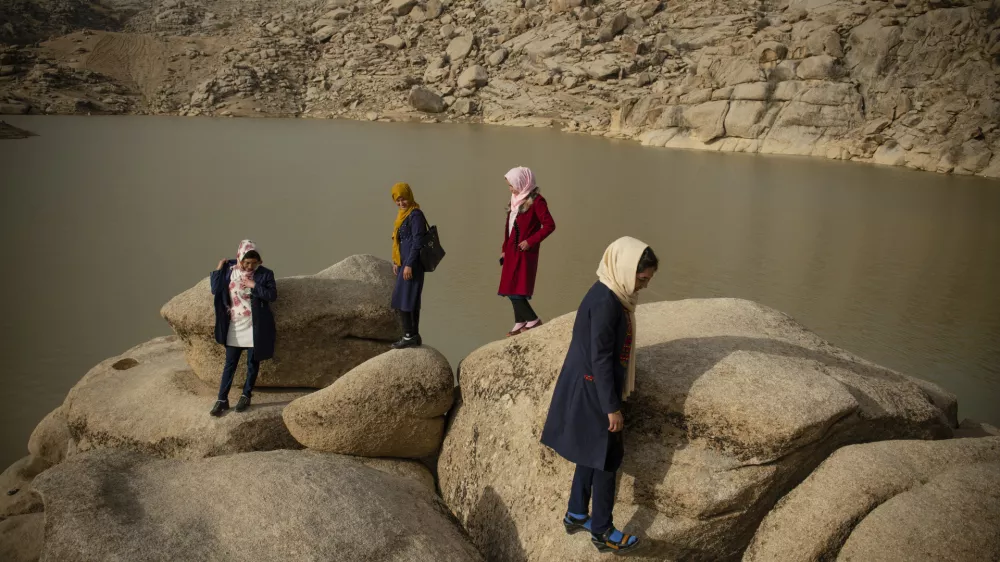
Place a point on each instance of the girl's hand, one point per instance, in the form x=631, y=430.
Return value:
x=616, y=422
x=395, y=269
x=250, y=283
x=407, y=273
x=524, y=246
x=221, y=263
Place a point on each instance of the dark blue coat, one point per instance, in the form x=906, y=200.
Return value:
x=406, y=294
x=590, y=385
x=265, y=292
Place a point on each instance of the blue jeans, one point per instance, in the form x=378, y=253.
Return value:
x=229, y=371
x=600, y=484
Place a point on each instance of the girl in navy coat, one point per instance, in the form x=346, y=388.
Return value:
x=585, y=422
x=244, y=290
x=407, y=240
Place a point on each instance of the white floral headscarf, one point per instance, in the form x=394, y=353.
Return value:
x=239, y=292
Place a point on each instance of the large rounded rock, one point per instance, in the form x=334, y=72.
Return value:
x=955, y=516
x=473, y=77
x=460, y=47
x=426, y=100
x=364, y=268
x=50, y=439
x=735, y=404
x=327, y=324
x=21, y=538
x=149, y=400
x=390, y=406
x=278, y=505
x=895, y=500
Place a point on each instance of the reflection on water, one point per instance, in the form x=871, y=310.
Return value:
x=104, y=219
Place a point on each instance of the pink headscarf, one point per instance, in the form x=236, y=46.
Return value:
x=523, y=181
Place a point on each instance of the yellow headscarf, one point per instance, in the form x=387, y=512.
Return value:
x=401, y=191
x=617, y=272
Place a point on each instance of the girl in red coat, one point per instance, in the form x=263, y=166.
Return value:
x=528, y=223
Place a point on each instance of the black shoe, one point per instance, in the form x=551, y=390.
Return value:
x=243, y=404
x=574, y=525
x=604, y=543
x=220, y=406
x=408, y=341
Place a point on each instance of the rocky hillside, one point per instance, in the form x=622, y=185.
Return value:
x=907, y=82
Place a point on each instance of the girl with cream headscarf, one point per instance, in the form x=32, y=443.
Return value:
x=585, y=422
x=528, y=223
x=244, y=290
x=407, y=239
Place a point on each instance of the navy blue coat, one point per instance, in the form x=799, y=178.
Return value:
x=590, y=385
x=406, y=294
x=265, y=292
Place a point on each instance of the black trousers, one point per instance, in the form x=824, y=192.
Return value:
x=523, y=311
x=410, y=321
x=229, y=371
x=599, y=485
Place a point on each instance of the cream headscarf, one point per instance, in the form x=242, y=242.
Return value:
x=617, y=272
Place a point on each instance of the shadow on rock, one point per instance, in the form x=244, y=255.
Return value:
x=491, y=522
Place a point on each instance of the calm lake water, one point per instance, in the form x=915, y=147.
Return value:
x=104, y=219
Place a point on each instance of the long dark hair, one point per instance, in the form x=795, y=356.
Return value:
x=648, y=260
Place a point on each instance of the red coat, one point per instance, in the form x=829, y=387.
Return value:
x=519, y=268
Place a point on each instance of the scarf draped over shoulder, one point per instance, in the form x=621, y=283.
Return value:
x=239, y=291
x=617, y=272
x=401, y=191
x=522, y=180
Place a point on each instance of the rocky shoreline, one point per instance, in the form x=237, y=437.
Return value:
x=749, y=438
x=912, y=83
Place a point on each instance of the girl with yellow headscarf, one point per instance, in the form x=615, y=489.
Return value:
x=407, y=239
x=585, y=422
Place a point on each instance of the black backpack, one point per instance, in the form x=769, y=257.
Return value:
x=431, y=253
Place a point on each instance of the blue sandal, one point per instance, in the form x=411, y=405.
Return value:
x=575, y=525
x=604, y=543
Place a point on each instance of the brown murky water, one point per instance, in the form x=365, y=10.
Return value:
x=105, y=218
